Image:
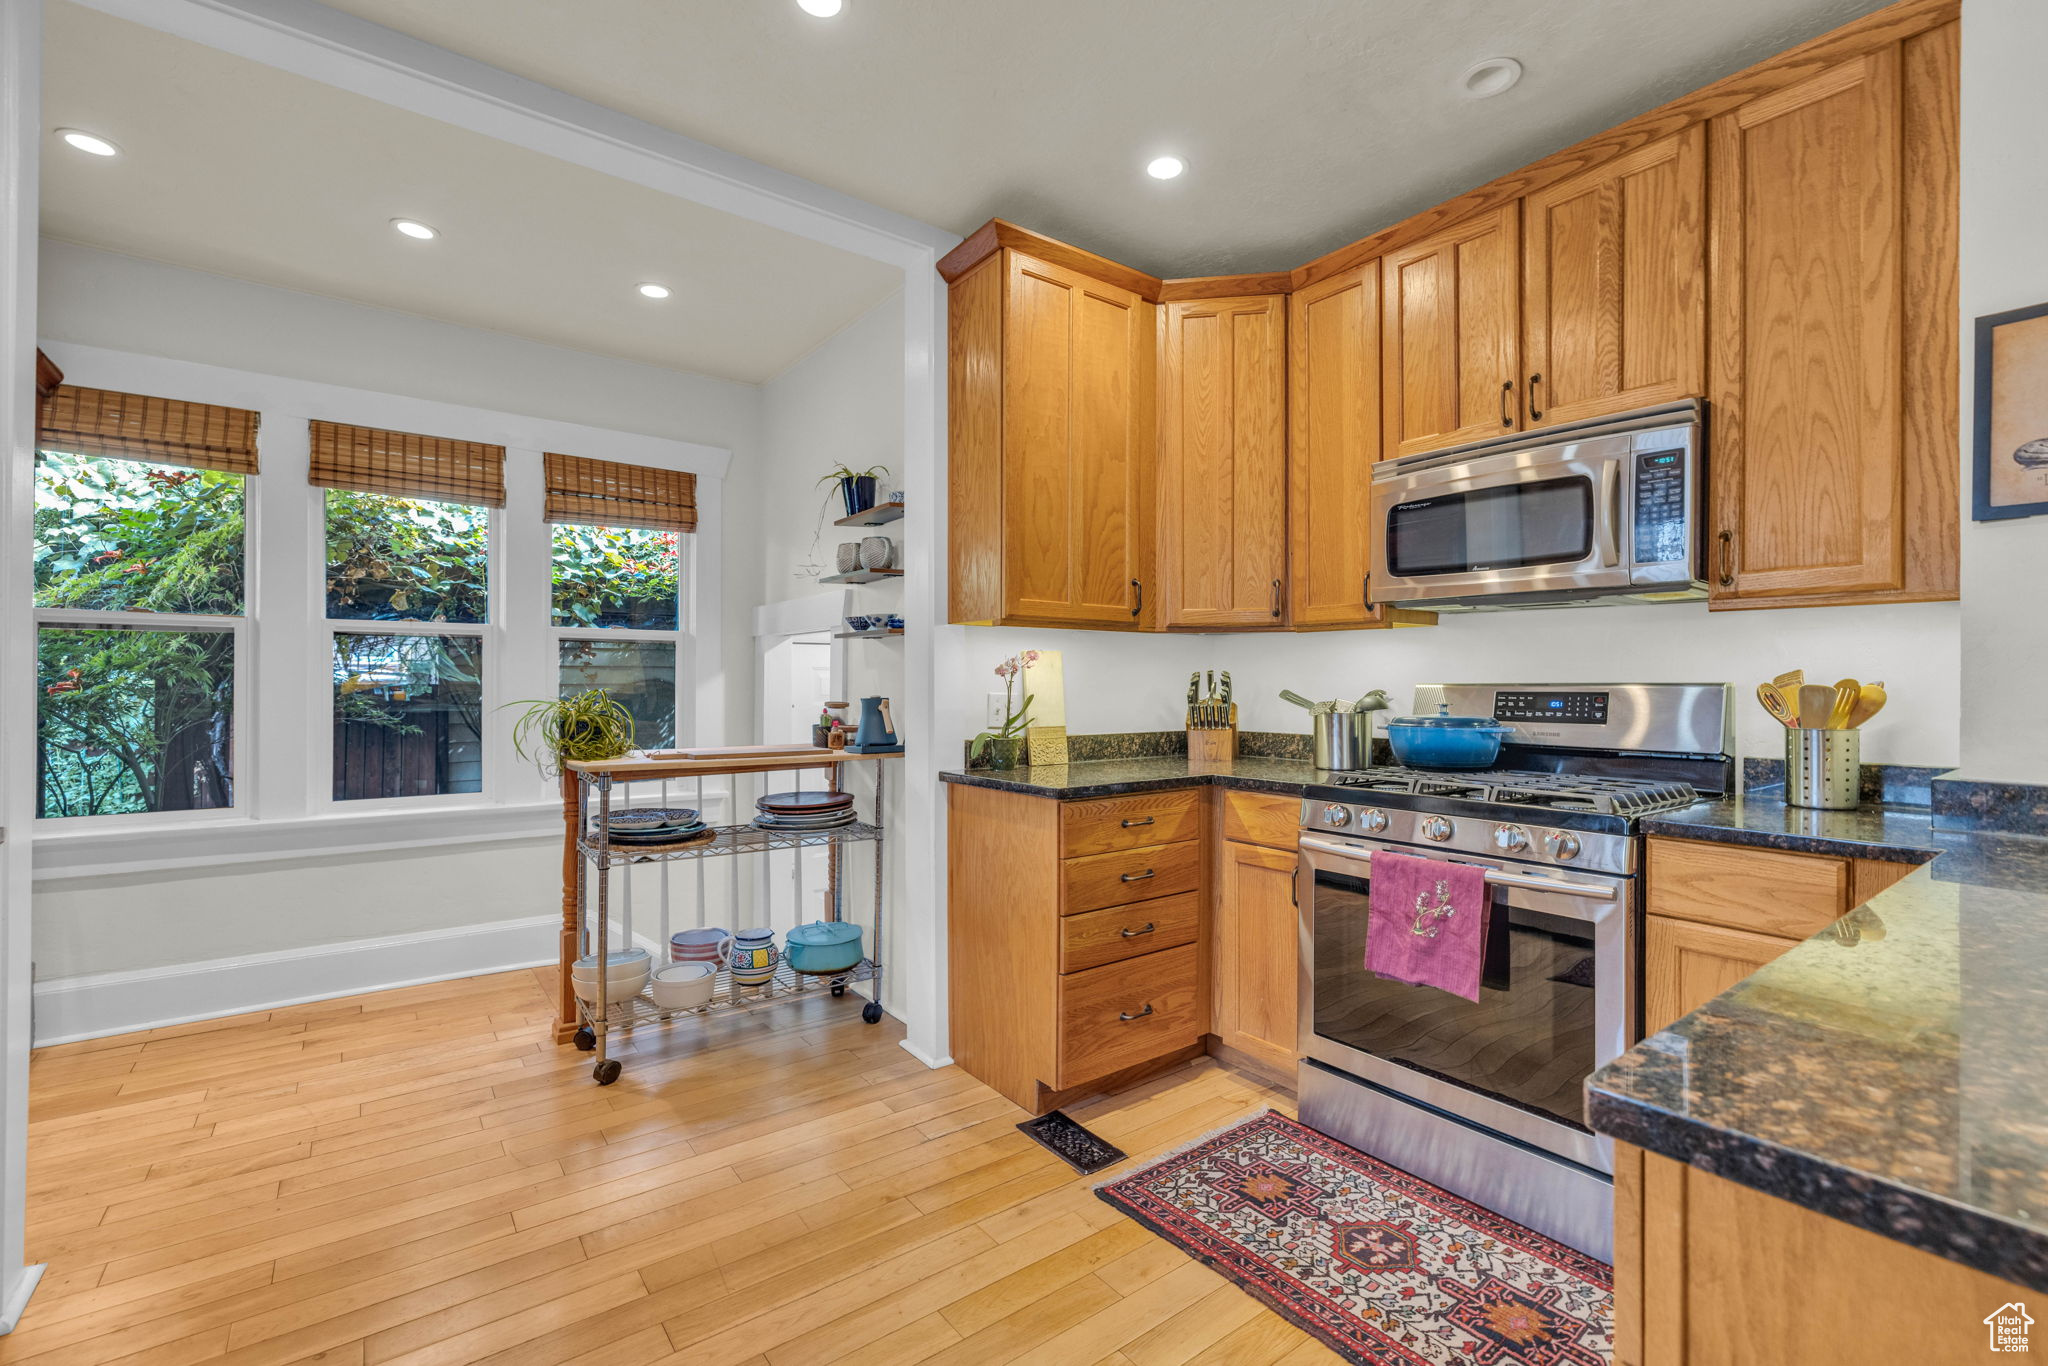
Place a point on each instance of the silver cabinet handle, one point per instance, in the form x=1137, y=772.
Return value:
x=1127, y=1017
x=1133, y=934
x=1140, y=877
x=1137, y=820
x=1279, y=597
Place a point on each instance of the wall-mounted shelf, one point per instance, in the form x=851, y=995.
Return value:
x=867, y=635
x=874, y=516
x=863, y=576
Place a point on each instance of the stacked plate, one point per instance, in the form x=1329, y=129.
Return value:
x=654, y=825
x=805, y=811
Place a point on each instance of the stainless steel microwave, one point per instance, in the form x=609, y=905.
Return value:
x=1609, y=510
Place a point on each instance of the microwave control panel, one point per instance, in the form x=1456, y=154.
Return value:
x=1661, y=512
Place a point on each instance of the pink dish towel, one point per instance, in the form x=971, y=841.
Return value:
x=1427, y=924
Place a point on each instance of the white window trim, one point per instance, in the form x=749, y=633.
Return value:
x=283, y=656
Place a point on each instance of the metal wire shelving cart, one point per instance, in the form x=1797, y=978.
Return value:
x=593, y=791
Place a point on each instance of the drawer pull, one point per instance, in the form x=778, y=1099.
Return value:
x=1137, y=820
x=1129, y=933
x=1127, y=1017
x=1138, y=877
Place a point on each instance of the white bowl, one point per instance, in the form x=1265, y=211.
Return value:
x=633, y=960
x=622, y=986
x=685, y=986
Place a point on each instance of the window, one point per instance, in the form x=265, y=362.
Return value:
x=408, y=715
x=639, y=674
x=615, y=577
x=406, y=559
x=135, y=701
x=133, y=719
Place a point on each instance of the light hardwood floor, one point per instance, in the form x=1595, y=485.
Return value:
x=421, y=1177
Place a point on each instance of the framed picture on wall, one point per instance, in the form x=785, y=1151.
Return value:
x=2012, y=414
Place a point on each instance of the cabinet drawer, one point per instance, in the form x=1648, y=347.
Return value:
x=1759, y=890
x=1261, y=818
x=1128, y=822
x=1130, y=875
x=1127, y=1013
x=1092, y=938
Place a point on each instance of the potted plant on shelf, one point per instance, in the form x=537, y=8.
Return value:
x=582, y=728
x=1004, y=745
x=857, y=487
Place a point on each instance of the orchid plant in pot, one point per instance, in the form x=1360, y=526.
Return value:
x=1004, y=745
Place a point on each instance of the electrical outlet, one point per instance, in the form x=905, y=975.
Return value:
x=996, y=715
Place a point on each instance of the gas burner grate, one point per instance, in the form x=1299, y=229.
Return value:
x=1550, y=791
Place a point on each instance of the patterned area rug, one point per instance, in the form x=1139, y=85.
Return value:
x=1384, y=1267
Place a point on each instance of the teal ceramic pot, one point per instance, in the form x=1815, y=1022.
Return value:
x=823, y=947
x=753, y=958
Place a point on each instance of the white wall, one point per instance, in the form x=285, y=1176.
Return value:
x=2004, y=266
x=1121, y=682
x=842, y=404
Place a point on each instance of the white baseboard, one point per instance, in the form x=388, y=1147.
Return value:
x=71, y=1008
x=17, y=1298
x=927, y=1059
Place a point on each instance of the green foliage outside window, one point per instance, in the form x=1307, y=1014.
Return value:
x=122, y=535
x=406, y=559
x=134, y=720
x=616, y=577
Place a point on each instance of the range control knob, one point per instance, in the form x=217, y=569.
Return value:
x=1334, y=814
x=1437, y=828
x=1374, y=821
x=1510, y=839
x=1561, y=844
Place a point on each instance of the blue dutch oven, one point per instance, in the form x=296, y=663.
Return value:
x=1446, y=741
x=822, y=947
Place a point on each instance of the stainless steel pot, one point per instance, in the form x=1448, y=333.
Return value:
x=1343, y=739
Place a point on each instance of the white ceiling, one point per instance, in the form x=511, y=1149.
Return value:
x=240, y=169
x=1305, y=123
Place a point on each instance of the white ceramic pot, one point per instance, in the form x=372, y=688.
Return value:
x=684, y=986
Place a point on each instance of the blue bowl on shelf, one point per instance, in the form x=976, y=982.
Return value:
x=860, y=623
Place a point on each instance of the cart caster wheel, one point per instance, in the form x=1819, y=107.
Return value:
x=872, y=1012
x=606, y=1072
x=839, y=988
x=584, y=1041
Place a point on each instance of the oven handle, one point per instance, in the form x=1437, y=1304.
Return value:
x=1494, y=877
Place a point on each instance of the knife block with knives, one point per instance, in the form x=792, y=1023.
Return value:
x=1212, y=720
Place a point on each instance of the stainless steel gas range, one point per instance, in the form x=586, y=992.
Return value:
x=1486, y=1099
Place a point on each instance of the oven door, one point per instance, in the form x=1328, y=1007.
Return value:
x=1558, y=1002
x=1547, y=519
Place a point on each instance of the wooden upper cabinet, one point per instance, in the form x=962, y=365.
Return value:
x=1051, y=376
x=1832, y=334
x=1223, y=468
x=1614, y=299
x=1452, y=356
x=1333, y=382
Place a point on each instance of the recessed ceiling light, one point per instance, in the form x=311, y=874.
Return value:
x=1165, y=168
x=822, y=9
x=1483, y=80
x=88, y=142
x=654, y=291
x=414, y=229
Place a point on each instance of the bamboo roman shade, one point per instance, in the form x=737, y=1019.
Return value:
x=608, y=493
x=406, y=465
x=169, y=431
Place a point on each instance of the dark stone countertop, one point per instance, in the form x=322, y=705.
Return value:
x=1887, y=1072
x=1763, y=820
x=1122, y=777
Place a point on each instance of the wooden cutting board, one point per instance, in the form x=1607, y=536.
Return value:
x=737, y=752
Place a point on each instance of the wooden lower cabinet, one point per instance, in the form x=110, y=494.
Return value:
x=1067, y=971
x=1686, y=965
x=1255, y=956
x=1710, y=1273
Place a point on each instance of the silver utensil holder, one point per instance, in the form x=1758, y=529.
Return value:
x=1343, y=739
x=1823, y=769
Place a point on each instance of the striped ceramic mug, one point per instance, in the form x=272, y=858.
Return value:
x=708, y=945
x=754, y=958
